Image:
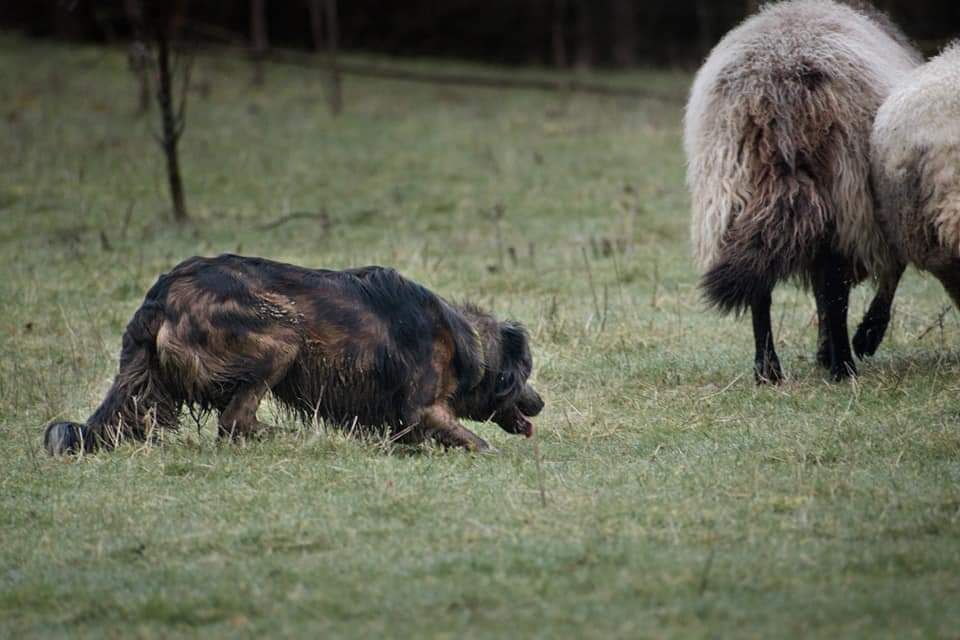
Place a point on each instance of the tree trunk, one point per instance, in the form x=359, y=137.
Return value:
x=316, y=23
x=624, y=33
x=584, y=34
x=172, y=128
x=558, y=35
x=535, y=18
x=258, y=32
x=333, y=36
x=137, y=54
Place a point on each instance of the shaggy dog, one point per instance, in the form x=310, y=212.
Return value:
x=362, y=347
x=777, y=134
x=916, y=174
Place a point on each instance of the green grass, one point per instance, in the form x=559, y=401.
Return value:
x=682, y=500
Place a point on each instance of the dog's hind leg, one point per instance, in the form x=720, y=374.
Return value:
x=239, y=418
x=441, y=425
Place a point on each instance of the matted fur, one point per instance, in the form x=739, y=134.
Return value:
x=362, y=347
x=916, y=164
x=777, y=142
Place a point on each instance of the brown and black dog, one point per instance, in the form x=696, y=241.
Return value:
x=362, y=347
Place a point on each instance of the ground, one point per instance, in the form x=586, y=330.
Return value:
x=681, y=499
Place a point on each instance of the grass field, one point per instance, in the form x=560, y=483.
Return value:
x=681, y=499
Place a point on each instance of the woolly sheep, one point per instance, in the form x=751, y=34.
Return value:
x=915, y=149
x=776, y=135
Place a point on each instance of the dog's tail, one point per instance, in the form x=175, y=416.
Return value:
x=138, y=401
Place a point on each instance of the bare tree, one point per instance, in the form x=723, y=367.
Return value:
x=159, y=21
x=174, y=121
x=323, y=13
x=258, y=32
x=154, y=24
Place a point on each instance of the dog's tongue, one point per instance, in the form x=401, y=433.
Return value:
x=526, y=427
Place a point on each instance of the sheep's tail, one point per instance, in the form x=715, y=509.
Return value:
x=776, y=238
x=732, y=285
x=137, y=403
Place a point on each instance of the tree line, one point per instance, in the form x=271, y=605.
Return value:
x=556, y=33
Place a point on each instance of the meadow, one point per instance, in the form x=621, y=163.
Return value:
x=681, y=500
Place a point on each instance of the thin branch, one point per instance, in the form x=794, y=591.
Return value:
x=182, y=67
x=171, y=128
x=298, y=215
x=936, y=323
x=593, y=290
x=186, y=61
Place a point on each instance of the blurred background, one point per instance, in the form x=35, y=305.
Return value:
x=551, y=33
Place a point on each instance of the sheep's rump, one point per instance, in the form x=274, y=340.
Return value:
x=776, y=135
x=916, y=163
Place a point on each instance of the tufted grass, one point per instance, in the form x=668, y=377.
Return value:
x=682, y=500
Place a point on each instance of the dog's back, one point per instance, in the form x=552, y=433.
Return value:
x=342, y=345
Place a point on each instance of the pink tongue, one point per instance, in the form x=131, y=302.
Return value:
x=527, y=426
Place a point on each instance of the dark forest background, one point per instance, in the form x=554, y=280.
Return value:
x=555, y=33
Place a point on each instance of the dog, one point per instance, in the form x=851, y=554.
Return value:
x=361, y=347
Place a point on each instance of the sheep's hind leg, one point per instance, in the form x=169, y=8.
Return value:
x=949, y=277
x=872, y=328
x=766, y=367
x=823, y=330
x=831, y=285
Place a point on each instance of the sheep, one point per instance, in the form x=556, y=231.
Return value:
x=915, y=151
x=776, y=134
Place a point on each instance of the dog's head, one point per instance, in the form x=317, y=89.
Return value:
x=515, y=399
x=505, y=394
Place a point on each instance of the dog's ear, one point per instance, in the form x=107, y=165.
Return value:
x=514, y=343
x=515, y=360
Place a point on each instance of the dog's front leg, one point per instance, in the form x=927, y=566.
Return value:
x=441, y=425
